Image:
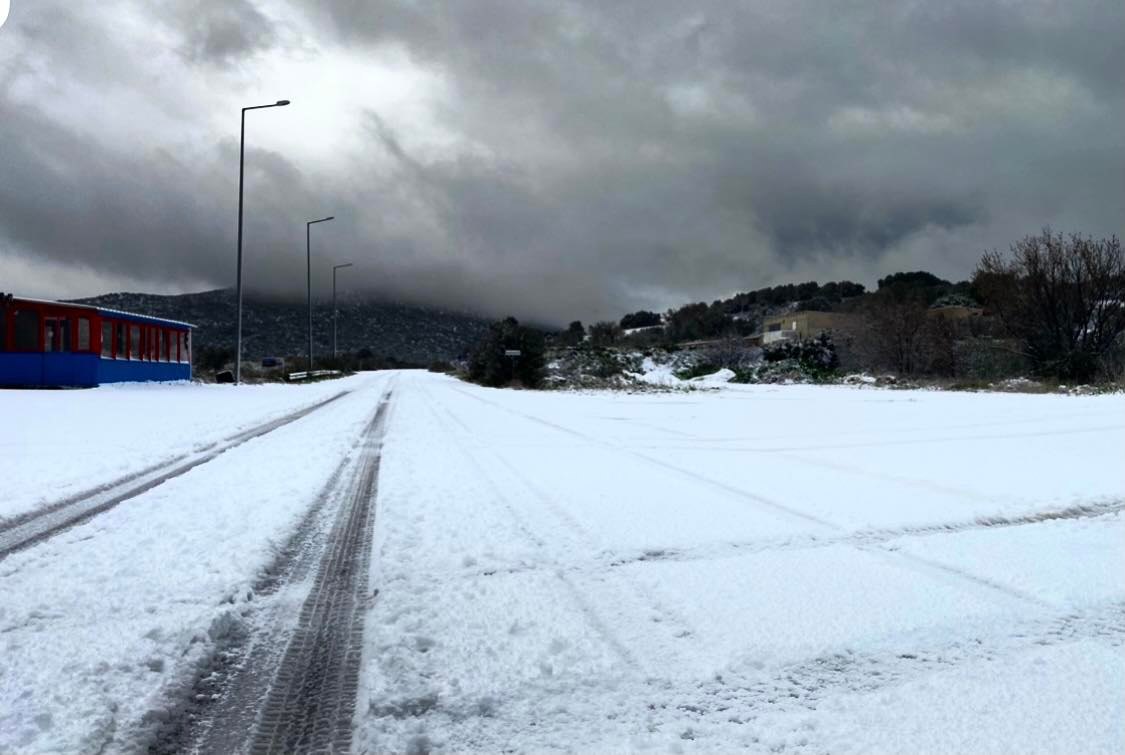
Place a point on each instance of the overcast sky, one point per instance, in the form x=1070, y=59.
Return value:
x=558, y=159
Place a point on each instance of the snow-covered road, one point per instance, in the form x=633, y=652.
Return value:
x=773, y=568
x=101, y=622
x=790, y=568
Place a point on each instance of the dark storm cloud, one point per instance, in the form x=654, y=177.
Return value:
x=800, y=129
x=614, y=155
x=225, y=32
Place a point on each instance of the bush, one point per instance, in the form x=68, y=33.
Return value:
x=988, y=359
x=574, y=335
x=604, y=334
x=489, y=366
x=213, y=358
x=816, y=357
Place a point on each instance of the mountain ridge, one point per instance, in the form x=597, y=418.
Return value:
x=277, y=327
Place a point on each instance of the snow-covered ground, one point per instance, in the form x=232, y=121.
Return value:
x=767, y=568
x=759, y=568
x=96, y=622
x=59, y=443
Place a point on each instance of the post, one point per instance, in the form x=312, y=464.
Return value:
x=334, y=312
x=308, y=275
x=308, y=281
x=238, y=277
x=238, y=273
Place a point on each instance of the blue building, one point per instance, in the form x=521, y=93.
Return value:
x=56, y=344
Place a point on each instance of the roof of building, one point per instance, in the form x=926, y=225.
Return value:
x=134, y=316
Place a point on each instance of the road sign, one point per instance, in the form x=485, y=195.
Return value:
x=511, y=352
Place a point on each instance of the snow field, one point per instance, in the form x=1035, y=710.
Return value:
x=97, y=621
x=66, y=442
x=740, y=569
x=757, y=568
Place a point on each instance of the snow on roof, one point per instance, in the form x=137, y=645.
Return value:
x=121, y=313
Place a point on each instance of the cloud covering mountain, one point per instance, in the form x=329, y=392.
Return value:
x=555, y=160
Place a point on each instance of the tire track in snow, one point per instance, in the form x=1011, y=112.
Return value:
x=593, y=617
x=914, y=441
x=629, y=588
x=797, y=437
x=805, y=685
x=44, y=523
x=215, y=708
x=758, y=500
x=873, y=536
x=918, y=564
x=312, y=698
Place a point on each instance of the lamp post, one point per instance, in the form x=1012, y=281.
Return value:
x=238, y=275
x=334, y=269
x=308, y=274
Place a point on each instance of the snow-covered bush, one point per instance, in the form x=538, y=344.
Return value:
x=816, y=356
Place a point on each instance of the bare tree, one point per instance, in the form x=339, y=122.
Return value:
x=894, y=332
x=1062, y=297
x=732, y=352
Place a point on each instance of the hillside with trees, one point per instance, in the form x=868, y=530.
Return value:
x=392, y=332
x=1052, y=308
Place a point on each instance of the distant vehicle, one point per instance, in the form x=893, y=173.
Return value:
x=53, y=344
x=273, y=362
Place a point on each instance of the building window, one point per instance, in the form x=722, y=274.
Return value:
x=185, y=350
x=774, y=327
x=120, y=350
x=134, y=341
x=107, y=339
x=26, y=336
x=83, y=334
x=57, y=335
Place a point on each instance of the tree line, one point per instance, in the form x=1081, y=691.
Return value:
x=1052, y=306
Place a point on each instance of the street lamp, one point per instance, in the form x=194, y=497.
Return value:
x=308, y=274
x=334, y=269
x=238, y=284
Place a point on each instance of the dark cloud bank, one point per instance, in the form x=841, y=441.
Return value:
x=626, y=154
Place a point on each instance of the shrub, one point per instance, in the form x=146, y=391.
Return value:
x=213, y=358
x=816, y=356
x=604, y=334
x=488, y=364
x=574, y=335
